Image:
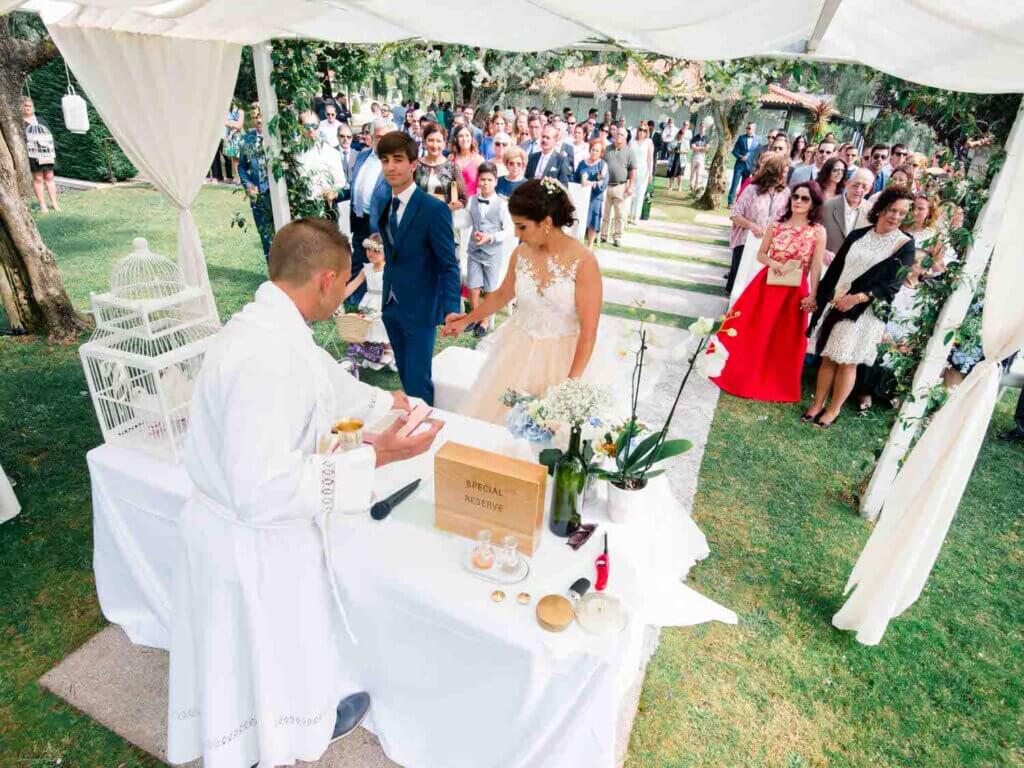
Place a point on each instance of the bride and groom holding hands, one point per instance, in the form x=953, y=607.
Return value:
x=554, y=279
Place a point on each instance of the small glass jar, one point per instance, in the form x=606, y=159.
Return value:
x=483, y=552
x=508, y=555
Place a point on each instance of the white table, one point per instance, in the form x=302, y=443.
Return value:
x=457, y=679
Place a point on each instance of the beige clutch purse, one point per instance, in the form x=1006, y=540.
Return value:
x=790, y=277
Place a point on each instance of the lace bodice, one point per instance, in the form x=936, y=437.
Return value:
x=546, y=303
x=871, y=249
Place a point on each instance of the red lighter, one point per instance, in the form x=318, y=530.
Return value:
x=602, y=563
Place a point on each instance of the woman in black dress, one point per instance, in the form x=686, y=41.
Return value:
x=676, y=170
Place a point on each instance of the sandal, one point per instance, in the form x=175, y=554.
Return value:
x=863, y=408
x=821, y=424
x=806, y=416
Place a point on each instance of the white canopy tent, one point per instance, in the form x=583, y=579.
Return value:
x=975, y=47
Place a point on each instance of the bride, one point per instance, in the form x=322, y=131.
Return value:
x=557, y=284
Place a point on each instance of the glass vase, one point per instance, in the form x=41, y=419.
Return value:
x=570, y=477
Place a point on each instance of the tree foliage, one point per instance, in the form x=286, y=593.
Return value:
x=729, y=90
x=956, y=118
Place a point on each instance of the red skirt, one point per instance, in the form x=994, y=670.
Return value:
x=766, y=355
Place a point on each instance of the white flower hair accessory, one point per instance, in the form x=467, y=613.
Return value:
x=553, y=186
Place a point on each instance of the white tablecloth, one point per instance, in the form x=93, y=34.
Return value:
x=457, y=680
x=9, y=506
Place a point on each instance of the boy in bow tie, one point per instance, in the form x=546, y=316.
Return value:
x=488, y=212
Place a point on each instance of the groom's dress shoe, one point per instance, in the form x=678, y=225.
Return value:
x=350, y=713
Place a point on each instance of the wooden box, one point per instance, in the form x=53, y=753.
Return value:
x=476, y=490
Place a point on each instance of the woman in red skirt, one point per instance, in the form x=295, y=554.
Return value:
x=764, y=333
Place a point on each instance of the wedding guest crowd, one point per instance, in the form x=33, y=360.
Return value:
x=882, y=234
x=844, y=238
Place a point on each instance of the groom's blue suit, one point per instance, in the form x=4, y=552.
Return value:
x=422, y=284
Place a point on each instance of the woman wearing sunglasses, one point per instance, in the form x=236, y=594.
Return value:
x=764, y=331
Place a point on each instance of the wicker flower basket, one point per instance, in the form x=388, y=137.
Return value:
x=353, y=328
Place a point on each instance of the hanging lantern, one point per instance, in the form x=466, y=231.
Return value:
x=76, y=113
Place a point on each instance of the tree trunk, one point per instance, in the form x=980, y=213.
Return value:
x=728, y=119
x=30, y=284
x=715, y=188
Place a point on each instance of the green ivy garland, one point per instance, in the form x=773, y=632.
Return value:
x=931, y=295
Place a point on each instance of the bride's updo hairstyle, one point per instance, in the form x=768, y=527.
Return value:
x=537, y=199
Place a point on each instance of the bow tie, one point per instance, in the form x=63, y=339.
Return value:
x=482, y=201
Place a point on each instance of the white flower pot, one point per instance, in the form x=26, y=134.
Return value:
x=624, y=505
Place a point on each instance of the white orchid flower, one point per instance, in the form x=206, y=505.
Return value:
x=701, y=327
x=711, y=362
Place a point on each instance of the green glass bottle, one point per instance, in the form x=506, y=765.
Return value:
x=570, y=477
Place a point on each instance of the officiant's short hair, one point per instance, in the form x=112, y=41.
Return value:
x=303, y=247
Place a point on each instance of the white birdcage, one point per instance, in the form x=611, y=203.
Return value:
x=144, y=357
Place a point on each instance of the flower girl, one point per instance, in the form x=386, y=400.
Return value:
x=372, y=303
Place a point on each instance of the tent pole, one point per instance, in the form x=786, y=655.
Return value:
x=262, y=64
x=933, y=362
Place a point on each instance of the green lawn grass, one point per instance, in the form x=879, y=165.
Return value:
x=775, y=499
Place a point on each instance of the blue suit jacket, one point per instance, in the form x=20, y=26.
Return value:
x=420, y=264
x=380, y=199
x=751, y=150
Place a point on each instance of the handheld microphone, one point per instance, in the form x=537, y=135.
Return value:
x=383, y=508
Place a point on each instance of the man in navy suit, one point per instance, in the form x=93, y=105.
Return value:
x=745, y=151
x=369, y=193
x=551, y=161
x=422, y=281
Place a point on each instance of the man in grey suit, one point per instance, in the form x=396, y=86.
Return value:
x=841, y=214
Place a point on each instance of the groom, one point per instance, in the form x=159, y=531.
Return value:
x=422, y=281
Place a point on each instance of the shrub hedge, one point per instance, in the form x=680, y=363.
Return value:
x=79, y=155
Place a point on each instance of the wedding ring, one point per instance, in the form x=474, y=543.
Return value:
x=497, y=596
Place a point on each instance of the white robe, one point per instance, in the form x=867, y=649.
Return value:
x=257, y=638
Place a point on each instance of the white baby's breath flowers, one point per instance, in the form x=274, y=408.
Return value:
x=574, y=402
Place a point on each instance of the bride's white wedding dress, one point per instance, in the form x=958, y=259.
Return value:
x=533, y=349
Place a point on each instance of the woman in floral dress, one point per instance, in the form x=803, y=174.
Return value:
x=764, y=333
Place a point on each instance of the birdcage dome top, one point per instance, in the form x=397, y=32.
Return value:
x=143, y=274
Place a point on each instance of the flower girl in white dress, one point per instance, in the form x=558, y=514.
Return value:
x=556, y=283
x=372, y=302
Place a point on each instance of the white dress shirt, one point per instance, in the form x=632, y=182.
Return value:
x=329, y=131
x=851, y=214
x=403, y=198
x=321, y=165
x=542, y=164
x=366, y=180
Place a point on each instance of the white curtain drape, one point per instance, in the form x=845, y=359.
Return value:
x=892, y=570
x=165, y=101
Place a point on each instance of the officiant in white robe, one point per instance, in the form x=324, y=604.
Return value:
x=258, y=639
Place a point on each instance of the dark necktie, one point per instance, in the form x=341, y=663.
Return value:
x=393, y=219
